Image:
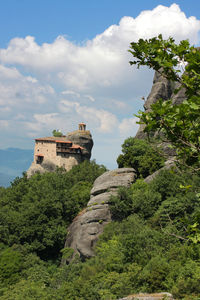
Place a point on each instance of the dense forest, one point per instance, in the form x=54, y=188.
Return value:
x=152, y=244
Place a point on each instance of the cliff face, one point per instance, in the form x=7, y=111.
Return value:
x=84, y=231
x=161, y=89
x=84, y=139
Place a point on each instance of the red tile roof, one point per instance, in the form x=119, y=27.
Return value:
x=65, y=142
x=59, y=140
x=76, y=147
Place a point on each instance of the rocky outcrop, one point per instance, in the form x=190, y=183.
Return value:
x=169, y=164
x=157, y=296
x=161, y=89
x=180, y=96
x=46, y=166
x=84, y=231
x=84, y=139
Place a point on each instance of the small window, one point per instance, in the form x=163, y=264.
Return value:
x=39, y=159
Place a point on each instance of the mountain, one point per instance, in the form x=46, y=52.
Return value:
x=13, y=162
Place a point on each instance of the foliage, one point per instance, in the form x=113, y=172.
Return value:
x=57, y=133
x=35, y=212
x=144, y=157
x=163, y=202
x=151, y=246
x=180, y=123
x=141, y=253
x=10, y=265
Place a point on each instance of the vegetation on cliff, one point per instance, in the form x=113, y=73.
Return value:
x=147, y=248
x=153, y=243
x=180, y=123
x=35, y=212
x=143, y=156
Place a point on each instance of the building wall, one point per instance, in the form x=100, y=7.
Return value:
x=48, y=150
x=69, y=161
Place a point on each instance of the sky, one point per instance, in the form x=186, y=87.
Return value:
x=63, y=62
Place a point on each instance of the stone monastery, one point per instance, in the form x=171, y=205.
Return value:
x=65, y=151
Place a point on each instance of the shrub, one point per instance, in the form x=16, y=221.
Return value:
x=144, y=157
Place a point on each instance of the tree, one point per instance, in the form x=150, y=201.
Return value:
x=57, y=133
x=144, y=157
x=35, y=212
x=180, y=124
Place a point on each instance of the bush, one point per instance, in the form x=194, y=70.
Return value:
x=144, y=157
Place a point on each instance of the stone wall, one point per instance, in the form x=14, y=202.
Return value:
x=48, y=149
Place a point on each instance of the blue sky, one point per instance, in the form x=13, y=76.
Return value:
x=64, y=62
x=79, y=20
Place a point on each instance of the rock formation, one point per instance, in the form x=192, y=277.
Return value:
x=157, y=296
x=161, y=89
x=84, y=231
x=84, y=139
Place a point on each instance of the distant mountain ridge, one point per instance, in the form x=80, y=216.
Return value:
x=13, y=162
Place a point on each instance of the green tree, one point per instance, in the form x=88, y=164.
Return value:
x=144, y=157
x=57, y=133
x=35, y=212
x=180, y=124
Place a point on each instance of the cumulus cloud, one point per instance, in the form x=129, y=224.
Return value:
x=98, y=119
x=71, y=93
x=90, y=98
x=58, y=84
x=98, y=62
x=128, y=127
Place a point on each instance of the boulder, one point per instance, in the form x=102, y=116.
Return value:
x=85, y=229
x=157, y=296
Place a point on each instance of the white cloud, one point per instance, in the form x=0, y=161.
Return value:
x=90, y=98
x=98, y=119
x=71, y=93
x=59, y=84
x=103, y=61
x=128, y=127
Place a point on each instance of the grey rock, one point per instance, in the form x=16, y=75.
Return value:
x=101, y=198
x=168, y=165
x=41, y=168
x=96, y=214
x=84, y=231
x=84, y=139
x=157, y=296
x=161, y=89
x=113, y=179
x=180, y=96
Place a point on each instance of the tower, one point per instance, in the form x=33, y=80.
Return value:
x=82, y=126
